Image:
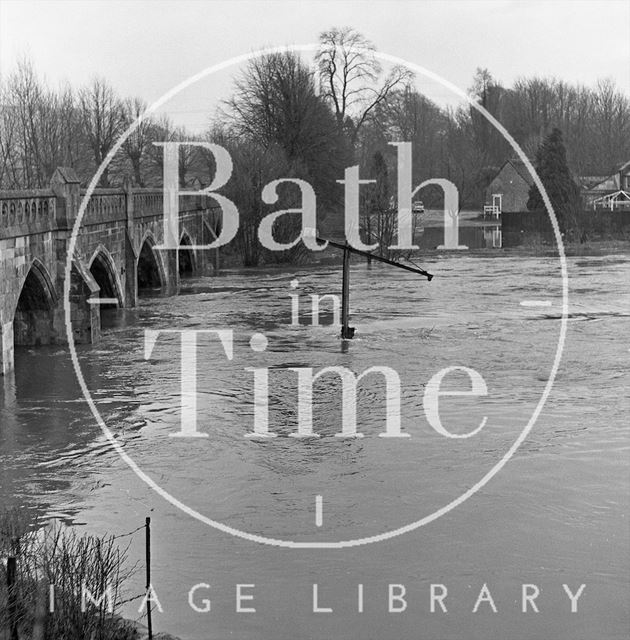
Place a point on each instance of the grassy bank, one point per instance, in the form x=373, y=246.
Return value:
x=73, y=564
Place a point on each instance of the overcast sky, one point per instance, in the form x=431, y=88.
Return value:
x=145, y=48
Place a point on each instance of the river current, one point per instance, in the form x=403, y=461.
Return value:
x=556, y=514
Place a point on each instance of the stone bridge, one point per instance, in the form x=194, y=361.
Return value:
x=114, y=257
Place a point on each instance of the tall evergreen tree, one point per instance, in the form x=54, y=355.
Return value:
x=552, y=168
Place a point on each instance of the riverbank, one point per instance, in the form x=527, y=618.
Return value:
x=57, y=582
x=588, y=248
x=595, y=248
x=532, y=244
x=533, y=248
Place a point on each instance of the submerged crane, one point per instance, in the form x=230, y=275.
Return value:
x=347, y=332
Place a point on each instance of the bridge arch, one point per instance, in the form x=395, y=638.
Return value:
x=150, y=272
x=207, y=231
x=186, y=258
x=33, y=320
x=103, y=269
x=211, y=231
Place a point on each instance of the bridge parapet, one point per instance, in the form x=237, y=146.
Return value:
x=105, y=205
x=25, y=212
x=146, y=202
x=192, y=203
x=150, y=201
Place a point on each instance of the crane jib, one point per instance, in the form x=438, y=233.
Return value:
x=367, y=254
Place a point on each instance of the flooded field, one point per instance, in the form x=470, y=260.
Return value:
x=556, y=514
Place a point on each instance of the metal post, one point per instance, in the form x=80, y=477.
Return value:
x=347, y=333
x=147, y=529
x=11, y=590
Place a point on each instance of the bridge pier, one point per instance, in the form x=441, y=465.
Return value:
x=208, y=262
x=170, y=260
x=8, y=350
x=130, y=276
x=86, y=316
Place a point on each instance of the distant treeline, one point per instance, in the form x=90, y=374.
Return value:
x=312, y=121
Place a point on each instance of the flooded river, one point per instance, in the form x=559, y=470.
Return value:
x=556, y=514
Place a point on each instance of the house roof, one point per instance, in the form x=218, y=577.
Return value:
x=521, y=169
x=590, y=181
x=587, y=182
x=610, y=182
x=66, y=174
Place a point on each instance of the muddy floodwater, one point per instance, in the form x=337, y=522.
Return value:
x=555, y=514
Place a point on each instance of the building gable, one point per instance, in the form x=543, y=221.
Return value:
x=512, y=182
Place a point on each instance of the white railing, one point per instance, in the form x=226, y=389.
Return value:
x=491, y=210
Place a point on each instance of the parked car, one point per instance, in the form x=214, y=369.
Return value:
x=417, y=206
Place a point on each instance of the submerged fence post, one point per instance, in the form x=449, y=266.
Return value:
x=347, y=333
x=12, y=604
x=147, y=529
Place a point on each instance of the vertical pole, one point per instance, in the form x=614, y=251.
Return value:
x=11, y=590
x=346, y=332
x=147, y=529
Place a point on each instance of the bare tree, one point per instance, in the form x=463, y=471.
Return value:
x=103, y=120
x=406, y=115
x=61, y=143
x=137, y=143
x=25, y=97
x=162, y=130
x=276, y=104
x=39, y=130
x=255, y=165
x=349, y=75
x=42, y=129
x=611, y=124
x=8, y=134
